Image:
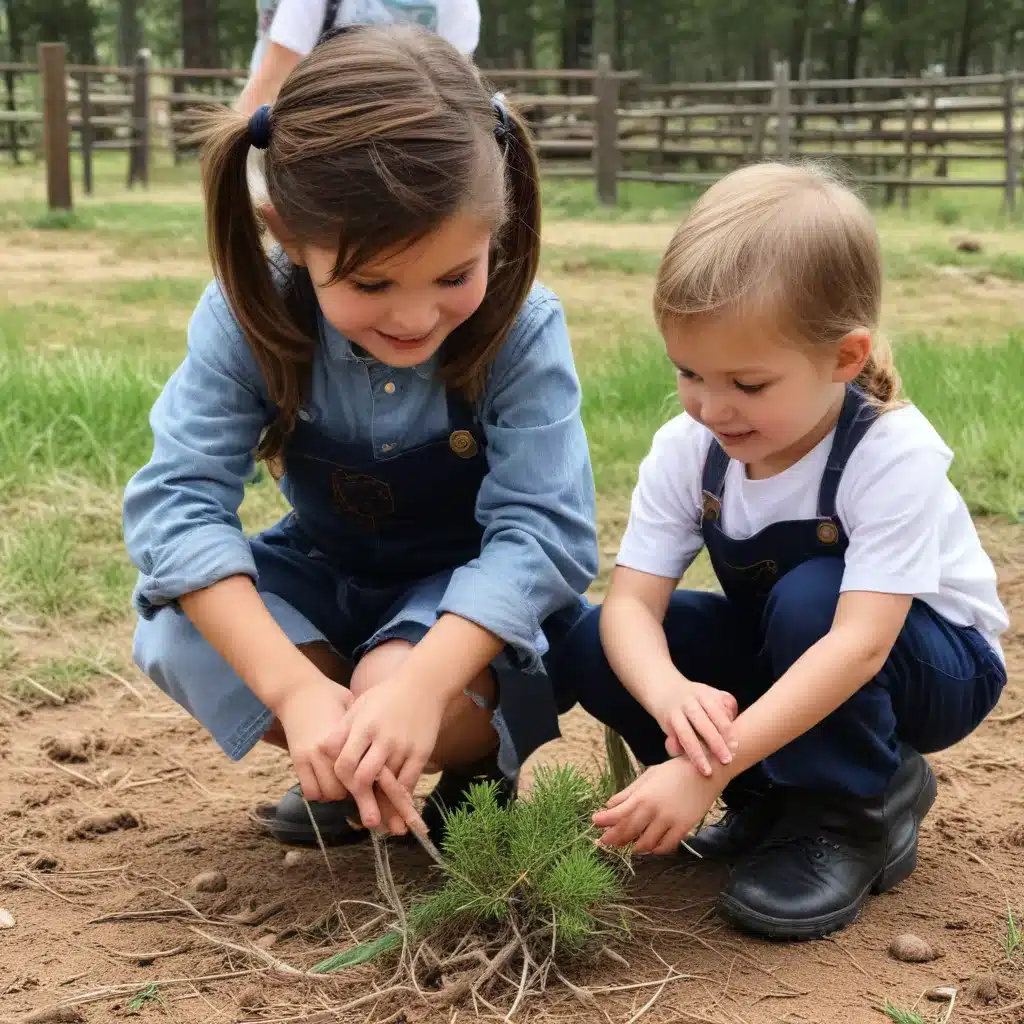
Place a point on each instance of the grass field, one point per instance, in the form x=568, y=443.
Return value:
x=93, y=314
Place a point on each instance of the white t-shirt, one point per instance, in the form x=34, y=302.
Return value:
x=908, y=527
x=297, y=23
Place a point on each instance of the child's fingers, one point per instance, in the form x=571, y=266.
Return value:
x=357, y=743
x=392, y=819
x=688, y=741
x=670, y=841
x=401, y=800
x=329, y=784
x=710, y=721
x=652, y=836
x=628, y=829
x=732, y=708
x=307, y=779
x=608, y=816
x=672, y=746
x=412, y=769
x=623, y=794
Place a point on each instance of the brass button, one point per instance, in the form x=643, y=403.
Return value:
x=389, y=388
x=828, y=532
x=463, y=443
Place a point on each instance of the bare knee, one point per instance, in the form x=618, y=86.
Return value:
x=378, y=664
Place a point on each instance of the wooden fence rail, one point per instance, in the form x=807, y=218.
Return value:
x=604, y=125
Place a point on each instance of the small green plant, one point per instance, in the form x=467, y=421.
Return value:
x=947, y=213
x=1014, y=937
x=531, y=869
x=60, y=220
x=894, y=1013
x=145, y=996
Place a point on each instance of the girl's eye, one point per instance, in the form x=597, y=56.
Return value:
x=455, y=282
x=370, y=289
x=687, y=374
x=750, y=389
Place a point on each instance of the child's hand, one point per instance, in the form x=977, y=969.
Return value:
x=394, y=725
x=658, y=811
x=691, y=712
x=310, y=715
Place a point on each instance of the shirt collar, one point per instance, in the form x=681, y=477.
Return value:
x=339, y=347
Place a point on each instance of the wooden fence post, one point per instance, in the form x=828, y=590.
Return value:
x=85, y=130
x=782, y=111
x=56, y=141
x=908, y=147
x=606, y=132
x=138, y=155
x=1010, y=140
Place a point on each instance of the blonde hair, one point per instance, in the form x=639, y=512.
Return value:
x=790, y=242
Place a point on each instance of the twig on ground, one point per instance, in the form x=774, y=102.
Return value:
x=55, y=697
x=258, y=954
x=40, y=884
x=148, y=957
x=1003, y=719
x=100, y=667
x=71, y=771
x=850, y=955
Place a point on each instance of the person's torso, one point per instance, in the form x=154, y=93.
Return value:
x=756, y=530
x=425, y=13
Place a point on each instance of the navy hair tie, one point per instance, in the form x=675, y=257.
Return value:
x=503, y=129
x=259, y=128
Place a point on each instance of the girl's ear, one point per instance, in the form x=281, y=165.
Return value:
x=854, y=351
x=276, y=227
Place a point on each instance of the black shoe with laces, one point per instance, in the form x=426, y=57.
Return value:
x=826, y=854
x=737, y=833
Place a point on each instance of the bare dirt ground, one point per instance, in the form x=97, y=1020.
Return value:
x=113, y=805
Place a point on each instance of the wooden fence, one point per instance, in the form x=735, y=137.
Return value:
x=598, y=124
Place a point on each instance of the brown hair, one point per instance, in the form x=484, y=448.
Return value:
x=378, y=135
x=793, y=243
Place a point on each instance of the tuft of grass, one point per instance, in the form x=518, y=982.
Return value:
x=579, y=259
x=1014, y=937
x=894, y=1013
x=38, y=571
x=60, y=220
x=532, y=866
x=149, y=994
x=68, y=679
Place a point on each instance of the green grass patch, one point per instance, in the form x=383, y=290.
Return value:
x=55, y=681
x=578, y=259
x=900, y=1016
x=1014, y=937
x=905, y=264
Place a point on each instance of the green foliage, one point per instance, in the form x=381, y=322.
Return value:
x=534, y=863
x=1014, y=937
x=894, y=1013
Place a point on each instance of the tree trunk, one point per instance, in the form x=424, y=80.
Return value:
x=14, y=42
x=854, y=37
x=129, y=36
x=199, y=34
x=963, y=59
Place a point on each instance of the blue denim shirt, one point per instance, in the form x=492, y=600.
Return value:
x=536, y=504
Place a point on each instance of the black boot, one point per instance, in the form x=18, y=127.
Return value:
x=826, y=854
x=738, y=832
x=451, y=792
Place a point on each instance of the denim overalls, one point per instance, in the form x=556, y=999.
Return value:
x=780, y=592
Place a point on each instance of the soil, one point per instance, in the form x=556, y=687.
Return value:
x=113, y=806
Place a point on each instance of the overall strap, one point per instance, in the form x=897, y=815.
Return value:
x=717, y=462
x=461, y=415
x=855, y=418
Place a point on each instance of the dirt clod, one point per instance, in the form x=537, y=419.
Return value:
x=251, y=998
x=266, y=941
x=942, y=994
x=911, y=949
x=45, y=863
x=69, y=748
x=968, y=243
x=103, y=822
x=983, y=990
x=6, y=919
x=293, y=858
x=209, y=881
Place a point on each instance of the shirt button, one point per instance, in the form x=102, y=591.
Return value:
x=387, y=447
x=304, y=415
x=389, y=388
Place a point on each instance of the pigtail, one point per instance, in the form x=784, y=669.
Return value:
x=879, y=379
x=282, y=349
x=514, y=261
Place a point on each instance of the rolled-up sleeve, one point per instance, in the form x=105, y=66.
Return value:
x=536, y=503
x=180, y=514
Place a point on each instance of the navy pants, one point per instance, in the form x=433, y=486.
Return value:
x=938, y=684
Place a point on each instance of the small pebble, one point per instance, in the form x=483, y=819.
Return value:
x=209, y=881
x=293, y=858
x=6, y=919
x=943, y=994
x=266, y=941
x=911, y=949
